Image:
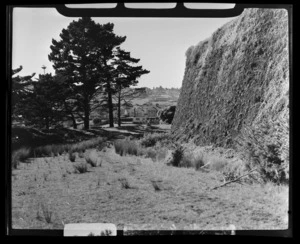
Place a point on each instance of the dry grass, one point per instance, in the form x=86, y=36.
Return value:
x=184, y=198
x=20, y=155
x=124, y=183
x=56, y=150
x=72, y=156
x=92, y=158
x=81, y=167
x=127, y=147
x=151, y=139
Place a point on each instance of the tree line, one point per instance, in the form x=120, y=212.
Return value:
x=91, y=71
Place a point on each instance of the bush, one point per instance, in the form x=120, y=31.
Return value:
x=96, y=121
x=54, y=150
x=267, y=148
x=72, y=156
x=20, y=155
x=123, y=147
x=80, y=167
x=150, y=140
x=177, y=156
x=217, y=163
x=92, y=158
x=151, y=153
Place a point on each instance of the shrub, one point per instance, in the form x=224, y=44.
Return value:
x=96, y=121
x=177, y=156
x=81, y=167
x=132, y=148
x=119, y=147
x=161, y=154
x=72, y=156
x=151, y=153
x=123, y=147
x=217, y=163
x=92, y=158
x=198, y=161
x=150, y=140
x=186, y=161
x=20, y=155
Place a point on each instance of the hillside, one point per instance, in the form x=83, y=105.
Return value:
x=238, y=80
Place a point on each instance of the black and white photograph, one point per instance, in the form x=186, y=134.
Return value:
x=150, y=123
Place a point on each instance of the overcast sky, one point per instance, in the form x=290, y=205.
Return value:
x=159, y=43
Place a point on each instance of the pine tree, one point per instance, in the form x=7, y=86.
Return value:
x=41, y=105
x=83, y=55
x=20, y=87
x=126, y=75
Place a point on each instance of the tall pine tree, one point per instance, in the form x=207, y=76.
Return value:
x=83, y=55
x=125, y=75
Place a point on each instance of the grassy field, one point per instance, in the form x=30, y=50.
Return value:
x=48, y=192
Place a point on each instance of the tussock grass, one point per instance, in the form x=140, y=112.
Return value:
x=156, y=185
x=20, y=155
x=151, y=153
x=124, y=183
x=124, y=147
x=151, y=139
x=92, y=158
x=81, y=167
x=55, y=150
x=47, y=213
x=72, y=156
x=177, y=156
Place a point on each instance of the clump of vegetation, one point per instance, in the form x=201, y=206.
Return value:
x=151, y=153
x=20, y=155
x=125, y=183
x=151, y=139
x=55, y=150
x=92, y=158
x=191, y=160
x=267, y=150
x=217, y=163
x=96, y=121
x=47, y=213
x=124, y=147
x=72, y=156
x=156, y=185
x=177, y=156
x=81, y=167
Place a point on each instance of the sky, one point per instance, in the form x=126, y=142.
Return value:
x=159, y=43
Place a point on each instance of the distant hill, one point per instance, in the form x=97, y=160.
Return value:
x=162, y=96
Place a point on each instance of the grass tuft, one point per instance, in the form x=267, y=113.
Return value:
x=72, y=156
x=92, y=158
x=81, y=167
x=124, y=183
x=124, y=147
x=47, y=212
x=20, y=155
x=155, y=185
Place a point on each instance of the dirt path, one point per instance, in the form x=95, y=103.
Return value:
x=182, y=196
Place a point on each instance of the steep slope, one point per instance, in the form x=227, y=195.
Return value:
x=237, y=78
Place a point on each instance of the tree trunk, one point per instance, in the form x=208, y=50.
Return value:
x=74, y=121
x=110, y=106
x=47, y=124
x=119, y=109
x=86, y=114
